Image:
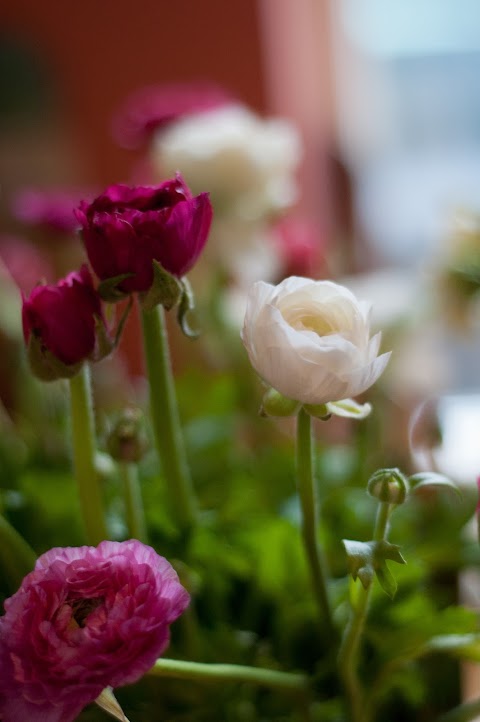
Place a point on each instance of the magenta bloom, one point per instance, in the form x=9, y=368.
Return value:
x=86, y=618
x=61, y=319
x=154, y=107
x=51, y=209
x=126, y=229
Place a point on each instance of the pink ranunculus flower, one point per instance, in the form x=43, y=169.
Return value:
x=156, y=106
x=126, y=229
x=60, y=322
x=85, y=619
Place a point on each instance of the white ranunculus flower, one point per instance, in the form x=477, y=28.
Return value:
x=310, y=340
x=246, y=163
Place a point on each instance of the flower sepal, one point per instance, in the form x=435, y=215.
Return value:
x=318, y=411
x=187, y=304
x=349, y=409
x=276, y=404
x=109, y=289
x=107, y=340
x=45, y=365
x=108, y=703
x=166, y=290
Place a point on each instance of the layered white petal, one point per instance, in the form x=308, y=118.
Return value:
x=310, y=340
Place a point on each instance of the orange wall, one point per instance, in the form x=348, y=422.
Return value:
x=100, y=50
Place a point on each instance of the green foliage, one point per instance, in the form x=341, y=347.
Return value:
x=245, y=564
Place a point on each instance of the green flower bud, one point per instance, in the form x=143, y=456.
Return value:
x=127, y=441
x=275, y=404
x=388, y=485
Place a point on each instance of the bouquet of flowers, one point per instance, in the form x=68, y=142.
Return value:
x=286, y=566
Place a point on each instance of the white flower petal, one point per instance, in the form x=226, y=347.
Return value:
x=310, y=340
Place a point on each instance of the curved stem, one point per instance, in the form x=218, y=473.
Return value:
x=165, y=419
x=132, y=495
x=348, y=654
x=310, y=520
x=83, y=443
x=230, y=673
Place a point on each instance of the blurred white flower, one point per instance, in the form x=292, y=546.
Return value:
x=246, y=163
x=310, y=340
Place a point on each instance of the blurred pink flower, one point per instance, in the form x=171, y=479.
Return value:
x=125, y=229
x=51, y=209
x=85, y=619
x=25, y=263
x=300, y=245
x=61, y=321
x=155, y=106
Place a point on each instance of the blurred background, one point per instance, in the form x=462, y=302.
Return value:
x=385, y=100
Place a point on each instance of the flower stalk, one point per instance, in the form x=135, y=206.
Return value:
x=17, y=558
x=199, y=671
x=310, y=519
x=83, y=446
x=132, y=495
x=165, y=419
x=348, y=654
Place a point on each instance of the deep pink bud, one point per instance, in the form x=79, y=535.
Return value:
x=125, y=229
x=61, y=318
x=85, y=619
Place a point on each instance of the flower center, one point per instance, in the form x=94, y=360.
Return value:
x=317, y=323
x=82, y=608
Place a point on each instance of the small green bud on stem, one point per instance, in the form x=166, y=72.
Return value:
x=388, y=485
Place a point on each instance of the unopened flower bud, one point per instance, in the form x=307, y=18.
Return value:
x=388, y=485
x=275, y=404
x=127, y=441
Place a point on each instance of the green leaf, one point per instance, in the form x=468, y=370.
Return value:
x=386, y=580
x=431, y=478
x=367, y=559
x=348, y=408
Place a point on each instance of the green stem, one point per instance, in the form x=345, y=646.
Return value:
x=165, y=418
x=230, y=673
x=17, y=558
x=132, y=495
x=310, y=519
x=83, y=443
x=348, y=654
x=463, y=713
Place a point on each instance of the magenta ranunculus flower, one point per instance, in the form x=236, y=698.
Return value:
x=126, y=229
x=60, y=323
x=85, y=619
